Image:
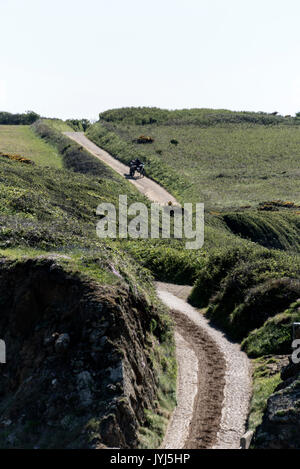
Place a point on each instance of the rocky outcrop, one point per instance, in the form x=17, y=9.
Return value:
x=280, y=428
x=79, y=372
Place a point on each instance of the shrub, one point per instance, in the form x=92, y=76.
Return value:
x=79, y=125
x=262, y=302
x=15, y=157
x=143, y=139
x=275, y=336
x=279, y=230
x=243, y=287
x=28, y=118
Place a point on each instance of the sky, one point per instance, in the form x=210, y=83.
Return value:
x=74, y=59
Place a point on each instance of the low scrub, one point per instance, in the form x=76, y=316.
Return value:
x=225, y=159
x=275, y=336
x=143, y=139
x=266, y=378
x=51, y=208
x=280, y=230
x=28, y=118
x=203, y=117
x=74, y=156
x=79, y=125
x=15, y=157
x=244, y=287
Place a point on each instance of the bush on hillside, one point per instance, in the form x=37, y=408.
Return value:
x=244, y=287
x=280, y=230
x=262, y=302
x=143, y=139
x=275, y=336
x=79, y=125
x=202, y=117
x=28, y=118
x=74, y=156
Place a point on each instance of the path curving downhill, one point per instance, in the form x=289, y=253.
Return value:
x=224, y=379
x=214, y=383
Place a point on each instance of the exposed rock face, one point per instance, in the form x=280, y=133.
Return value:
x=78, y=371
x=280, y=428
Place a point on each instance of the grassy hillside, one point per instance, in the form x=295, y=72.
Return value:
x=50, y=213
x=58, y=124
x=21, y=139
x=245, y=168
x=219, y=158
x=242, y=165
x=54, y=208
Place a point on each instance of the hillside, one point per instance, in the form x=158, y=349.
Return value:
x=245, y=168
x=221, y=158
x=21, y=139
x=82, y=307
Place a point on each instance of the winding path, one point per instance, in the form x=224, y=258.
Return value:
x=214, y=377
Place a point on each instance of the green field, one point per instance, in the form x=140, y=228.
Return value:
x=22, y=140
x=224, y=164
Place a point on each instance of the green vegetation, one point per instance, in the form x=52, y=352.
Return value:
x=151, y=435
x=142, y=116
x=275, y=336
x=272, y=229
x=54, y=209
x=124, y=151
x=28, y=118
x=79, y=125
x=52, y=212
x=58, y=124
x=243, y=166
x=107, y=266
x=265, y=381
x=73, y=155
x=223, y=159
x=22, y=140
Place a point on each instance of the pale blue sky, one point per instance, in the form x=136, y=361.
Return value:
x=71, y=58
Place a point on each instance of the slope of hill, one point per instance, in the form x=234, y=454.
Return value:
x=245, y=168
x=247, y=274
x=21, y=139
x=218, y=157
x=61, y=287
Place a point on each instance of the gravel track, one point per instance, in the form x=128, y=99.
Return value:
x=222, y=368
x=214, y=383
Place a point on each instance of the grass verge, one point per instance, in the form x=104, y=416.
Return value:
x=21, y=139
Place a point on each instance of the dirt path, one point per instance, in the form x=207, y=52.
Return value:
x=187, y=389
x=214, y=376
x=224, y=378
x=146, y=186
